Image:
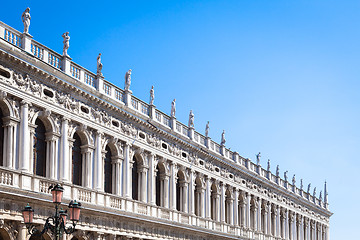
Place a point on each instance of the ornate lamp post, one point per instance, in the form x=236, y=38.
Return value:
x=57, y=223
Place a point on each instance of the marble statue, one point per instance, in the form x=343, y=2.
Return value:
x=293, y=180
x=285, y=176
x=277, y=171
x=258, y=156
x=268, y=165
x=207, y=128
x=223, y=140
x=320, y=197
x=99, y=65
x=128, y=80
x=173, y=108
x=25, y=17
x=314, y=193
x=152, y=95
x=309, y=186
x=66, y=43
x=301, y=184
x=191, y=119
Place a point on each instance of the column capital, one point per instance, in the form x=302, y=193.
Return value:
x=24, y=102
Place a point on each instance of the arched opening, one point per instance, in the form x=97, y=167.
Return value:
x=263, y=216
x=135, y=180
x=178, y=192
x=273, y=213
x=241, y=210
x=253, y=208
x=4, y=234
x=108, y=171
x=157, y=186
x=76, y=160
x=39, y=149
x=181, y=192
x=214, y=202
x=1, y=139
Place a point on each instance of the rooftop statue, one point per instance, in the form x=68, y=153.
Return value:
x=99, y=65
x=152, y=95
x=207, y=128
x=25, y=17
x=309, y=186
x=223, y=140
x=173, y=108
x=320, y=197
x=268, y=165
x=285, y=176
x=293, y=180
x=128, y=80
x=277, y=171
x=66, y=43
x=301, y=184
x=258, y=156
x=191, y=119
x=314, y=193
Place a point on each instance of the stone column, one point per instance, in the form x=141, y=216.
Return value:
x=270, y=232
x=307, y=231
x=259, y=223
x=298, y=227
x=127, y=171
x=287, y=235
x=51, y=153
x=208, y=198
x=87, y=173
x=231, y=209
x=165, y=182
x=64, y=152
x=116, y=176
x=185, y=196
x=24, y=150
x=243, y=213
x=255, y=208
x=278, y=233
x=152, y=175
x=173, y=169
x=217, y=207
x=248, y=212
x=99, y=163
x=266, y=218
x=9, y=143
x=236, y=207
x=143, y=189
x=222, y=202
x=22, y=232
x=31, y=155
x=191, y=192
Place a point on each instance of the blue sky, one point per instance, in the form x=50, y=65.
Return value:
x=280, y=77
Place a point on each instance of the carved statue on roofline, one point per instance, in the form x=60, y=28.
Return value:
x=128, y=79
x=66, y=43
x=25, y=17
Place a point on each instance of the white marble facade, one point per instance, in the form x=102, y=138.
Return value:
x=139, y=173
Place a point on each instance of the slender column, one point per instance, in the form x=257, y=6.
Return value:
x=9, y=149
x=185, y=197
x=287, y=224
x=64, y=152
x=191, y=192
x=217, y=207
x=236, y=207
x=31, y=158
x=259, y=223
x=24, y=150
x=278, y=233
x=152, y=190
x=291, y=226
x=282, y=219
x=99, y=162
x=166, y=190
x=126, y=171
x=208, y=198
x=298, y=227
x=231, y=211
x=255, y=208
x=173, y=181
x=266, y=212
x=307, y=229
x=51, y=156
x=21, y=232
x=248, y=212
x=202, y=201
x=115, y=166
x=269, y=220
x=142, y=175
x=222, y=202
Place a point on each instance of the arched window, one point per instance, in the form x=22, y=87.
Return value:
x=198, y=193
x=227, y=206
x=39, y=149
x=157, y=186
x=241, y=210
x=108, y=174
x=135, y=180
x=76, y=160
x=252, y=213
x=1, y=139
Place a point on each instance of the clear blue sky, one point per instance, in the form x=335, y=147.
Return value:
x=281, y=77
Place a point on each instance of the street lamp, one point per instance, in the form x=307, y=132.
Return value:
x=57, y=223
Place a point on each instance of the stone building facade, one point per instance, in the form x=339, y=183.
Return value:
x=139, y=173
